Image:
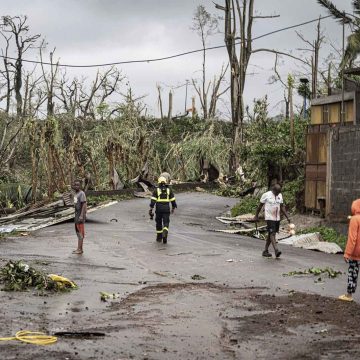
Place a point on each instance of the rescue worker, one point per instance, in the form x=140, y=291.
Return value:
x=162, y=197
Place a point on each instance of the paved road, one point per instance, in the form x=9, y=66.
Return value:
x=161, y=313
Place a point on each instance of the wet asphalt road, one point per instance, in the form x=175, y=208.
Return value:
x=147, y=322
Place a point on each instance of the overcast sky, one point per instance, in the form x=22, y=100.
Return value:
x=102, y=31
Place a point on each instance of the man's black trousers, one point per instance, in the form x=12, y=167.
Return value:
x=162, y=222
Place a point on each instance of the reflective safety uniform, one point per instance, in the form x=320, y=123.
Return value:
x=161, y=198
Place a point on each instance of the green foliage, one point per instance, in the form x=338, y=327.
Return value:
x=267, y=151
x=247, y=205
x=328, y=234
x=332, y=274
x=291, y=192
x=229, y=191
x=18, y=276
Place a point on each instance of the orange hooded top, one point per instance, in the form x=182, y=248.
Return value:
x=352, y=250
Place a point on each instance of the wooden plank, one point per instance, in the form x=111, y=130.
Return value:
x=321, y=172
x=334, y=113
x=311, y=172
x=310, y=194
x=320, y=192
x=312, y=150
x=316, y=115
x=322, y=154
x=349, y=111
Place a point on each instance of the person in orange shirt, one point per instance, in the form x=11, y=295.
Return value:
x=352, y=251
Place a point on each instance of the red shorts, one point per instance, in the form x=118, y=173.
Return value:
x=80, y=230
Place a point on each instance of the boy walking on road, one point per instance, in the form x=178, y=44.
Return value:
x=80, y=215
x=352, y=251
x=162, y=197
x=274, y=207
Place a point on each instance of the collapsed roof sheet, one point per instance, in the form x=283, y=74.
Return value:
x=38, y=218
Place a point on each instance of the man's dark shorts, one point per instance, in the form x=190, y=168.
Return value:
x=273, y=227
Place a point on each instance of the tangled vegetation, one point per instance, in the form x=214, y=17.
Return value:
x=330, y=272
x=18, y=276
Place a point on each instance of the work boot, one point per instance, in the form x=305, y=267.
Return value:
x=277, y=253
x=266, y=254
x=159, y=237
x=165, y=235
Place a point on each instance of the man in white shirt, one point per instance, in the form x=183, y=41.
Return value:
x=274, y=207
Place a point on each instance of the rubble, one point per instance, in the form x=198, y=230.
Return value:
x=244, y=225
x=41, y=214
x=312, y=242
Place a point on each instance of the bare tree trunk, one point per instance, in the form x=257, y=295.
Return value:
x=292, y=132
x=329, y=80
x=204, y=90
x=193, y=107
x=170, y=105
x=160, y=102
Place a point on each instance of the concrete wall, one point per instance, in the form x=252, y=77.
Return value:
x=344, y=181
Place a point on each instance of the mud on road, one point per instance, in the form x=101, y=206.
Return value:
x=247, y=323
x=243, y=309
x=165, y=321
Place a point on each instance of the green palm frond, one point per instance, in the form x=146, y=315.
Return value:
x=352, y=49
x=334, y=11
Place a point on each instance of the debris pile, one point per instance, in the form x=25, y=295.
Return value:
x=332, y=274
x=40, y=215
x=312, y=241
x=104, y=296
x=18, y=276
x=244, y=225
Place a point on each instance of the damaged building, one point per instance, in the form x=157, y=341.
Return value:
x=332, y=172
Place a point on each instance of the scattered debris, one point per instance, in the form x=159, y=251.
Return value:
x=241, y=231
x=18, y=276
x=230, y=260
x=200, y=189
x=332, y=274
x=79, y=334
x=32, y=337
x=104, y=296
x=312, y=242
x=40, y=216
x=197, y=277
x=244, y=225
x=62, y=282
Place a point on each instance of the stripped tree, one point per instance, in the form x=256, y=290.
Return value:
x=238, y=22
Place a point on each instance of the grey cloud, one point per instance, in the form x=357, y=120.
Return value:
x=95, y=31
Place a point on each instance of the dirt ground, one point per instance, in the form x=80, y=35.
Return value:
x=242, y=309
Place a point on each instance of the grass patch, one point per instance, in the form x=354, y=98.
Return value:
x=328, y=234
x=247, y=205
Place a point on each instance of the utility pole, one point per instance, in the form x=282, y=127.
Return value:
x=342, y=116
x=291, y=105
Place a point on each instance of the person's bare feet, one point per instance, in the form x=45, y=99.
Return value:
x=77, y=252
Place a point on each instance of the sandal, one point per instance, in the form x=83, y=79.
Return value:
x=345, y=298
x=77, y=252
